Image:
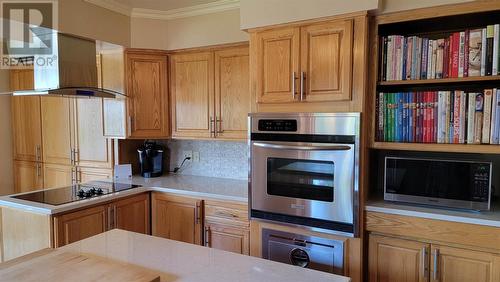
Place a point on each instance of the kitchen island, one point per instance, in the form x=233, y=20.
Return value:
x=177, y=261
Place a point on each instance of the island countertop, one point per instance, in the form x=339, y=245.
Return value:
x=177, y=261
x=197, y=186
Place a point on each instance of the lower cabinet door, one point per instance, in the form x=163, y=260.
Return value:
x=132, y=214
x=177, y=218
x=450, y=264
x=55, y=176
x=393, y=260
x=76, y=226
x=28, y=176
x=227, y=237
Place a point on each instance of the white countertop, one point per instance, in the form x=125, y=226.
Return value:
x=198, y=186
x=177, y=261
x=489, y=218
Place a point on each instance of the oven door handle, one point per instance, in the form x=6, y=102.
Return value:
x=304, y=147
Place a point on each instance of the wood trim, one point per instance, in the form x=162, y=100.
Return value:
x=307, y=22
x=437, y=11
x=494, y=78
x=207, y=48
x=435, y=231
x=434, y=147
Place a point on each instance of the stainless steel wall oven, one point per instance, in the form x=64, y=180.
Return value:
x=304, y=170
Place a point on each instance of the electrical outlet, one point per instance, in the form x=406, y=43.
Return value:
x=196, y=157
x=188, y=154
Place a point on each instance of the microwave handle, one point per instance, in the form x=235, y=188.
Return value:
x=284, y=146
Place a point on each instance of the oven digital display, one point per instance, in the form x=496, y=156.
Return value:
x=302, y=179
x=287, y=125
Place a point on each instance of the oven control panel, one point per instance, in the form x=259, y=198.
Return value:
x=286, y=125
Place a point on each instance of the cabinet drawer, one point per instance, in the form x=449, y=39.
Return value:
x=227, y=211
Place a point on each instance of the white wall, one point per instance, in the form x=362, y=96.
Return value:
x=6, y=169
x=387, y=6
x=257, y=13
x=87, y=20
x=204, y=30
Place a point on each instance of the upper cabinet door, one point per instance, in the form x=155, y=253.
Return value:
x=27, y=128
x=148, y=95
x=192, y=90
x=22, y=79
x=232, y=92
x=326, y=61
x=28, y=176
x=92, y=149
x=57, y=130
x=277, y=65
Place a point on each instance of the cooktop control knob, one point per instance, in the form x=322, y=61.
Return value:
x=81, y=193
x=99, y=191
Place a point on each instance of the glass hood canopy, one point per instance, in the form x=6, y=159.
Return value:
x=74, y=67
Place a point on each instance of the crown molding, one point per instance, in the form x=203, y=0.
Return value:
x=197, y=10
x=112, y=5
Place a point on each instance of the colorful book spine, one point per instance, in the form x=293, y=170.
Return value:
x=423, y=63
x=466, y=53
x=471, y=117
x=488, y=99
x=455, y=53
x=463, y=117
x=478, y=118
x=483, y=51
x=475, y=41
x=496, y=124
x=490, y=32
x=496, y=35
x=461, y=54
x=456, y=117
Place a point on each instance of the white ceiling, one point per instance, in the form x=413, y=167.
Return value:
x=162, y=5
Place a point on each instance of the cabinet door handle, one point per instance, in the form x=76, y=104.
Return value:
x=109, y=218
x=38, y=155
x=76, y=157
x=197, y=213
x=72, y=157
x=302, y=83
x=294, y=91
x=73, y=175
x=207, y=238
x=425, y=267
x=38, y=170
x=219, y=122
x=435, y=272
x=212, y=127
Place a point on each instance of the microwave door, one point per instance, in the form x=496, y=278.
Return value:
x=303, y=179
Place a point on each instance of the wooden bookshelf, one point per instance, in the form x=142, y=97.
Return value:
x=422, y=22
x=455, y=81
x=432, y=147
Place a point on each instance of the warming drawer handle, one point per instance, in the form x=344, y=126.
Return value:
x=284, y=146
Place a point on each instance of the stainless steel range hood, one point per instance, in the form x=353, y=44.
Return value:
x=82, y=68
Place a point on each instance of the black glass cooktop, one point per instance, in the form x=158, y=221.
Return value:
x=75, y=193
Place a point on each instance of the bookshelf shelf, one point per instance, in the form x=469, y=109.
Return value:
x=458, y=81
x=431, y=147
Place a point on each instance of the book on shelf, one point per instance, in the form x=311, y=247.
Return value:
x=466, y=53
x=445, y=117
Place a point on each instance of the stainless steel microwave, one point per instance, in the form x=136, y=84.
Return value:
x=448, y=183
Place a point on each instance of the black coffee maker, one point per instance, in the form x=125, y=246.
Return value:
x=151, y=159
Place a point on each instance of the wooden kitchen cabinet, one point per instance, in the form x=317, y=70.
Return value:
x=232, y=93
x=326, y=61
x=57, y=126
x=76, y=226
x=28, y=176
x=91, y=148
x=27, y=128
x=311, y=63
x=462, y=265
x=192, y=90
x=147, y=91
x=227, y=237
x=22, y=79
x=277, y=60
x=227, y=226
x=55, y=176
x=393, y=259
x=210, y=93
x=132, y=214
x=177, y=218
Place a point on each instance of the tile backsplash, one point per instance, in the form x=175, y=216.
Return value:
x=217, y=158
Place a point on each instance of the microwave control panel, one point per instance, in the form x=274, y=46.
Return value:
x=481, y=181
